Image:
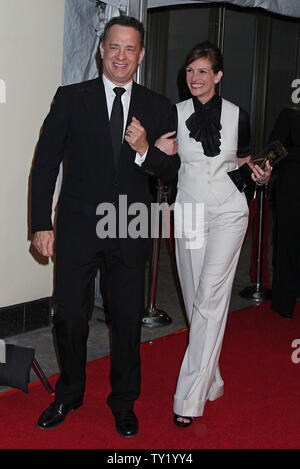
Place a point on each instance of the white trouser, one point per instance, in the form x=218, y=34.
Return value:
x=206, y=275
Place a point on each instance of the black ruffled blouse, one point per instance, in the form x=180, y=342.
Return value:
x=204, y=126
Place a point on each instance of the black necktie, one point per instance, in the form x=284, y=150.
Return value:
x=116, y=123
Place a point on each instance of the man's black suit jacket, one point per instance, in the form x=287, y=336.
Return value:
x=77, y=129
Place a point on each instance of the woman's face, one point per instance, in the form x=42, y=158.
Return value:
x=201, y=79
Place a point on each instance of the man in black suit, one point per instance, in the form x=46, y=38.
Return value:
x=83, y=125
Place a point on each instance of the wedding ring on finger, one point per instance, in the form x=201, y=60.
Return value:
x=128, y=133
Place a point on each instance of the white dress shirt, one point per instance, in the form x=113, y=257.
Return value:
x=125, y=98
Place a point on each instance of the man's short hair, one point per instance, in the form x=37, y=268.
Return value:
x=124, y=20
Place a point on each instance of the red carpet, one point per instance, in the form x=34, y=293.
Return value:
x=260, y=408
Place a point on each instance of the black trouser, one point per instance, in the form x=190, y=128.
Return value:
x=76, y=270
x=286, y=261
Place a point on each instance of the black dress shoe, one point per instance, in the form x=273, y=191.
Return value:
x=127, y=424
x=285, y=315
x=55, y=414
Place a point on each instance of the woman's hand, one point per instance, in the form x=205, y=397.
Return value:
x=259, y=175
x=166, y=144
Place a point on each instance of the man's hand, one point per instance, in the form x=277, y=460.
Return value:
x=166, y=144
x=43, y=242
x=136, y=136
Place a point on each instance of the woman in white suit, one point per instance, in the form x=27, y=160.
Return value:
x=213, y=138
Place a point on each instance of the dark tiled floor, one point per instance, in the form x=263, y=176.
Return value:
x=26, y=317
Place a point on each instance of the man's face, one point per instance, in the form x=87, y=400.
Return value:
x=121, y=54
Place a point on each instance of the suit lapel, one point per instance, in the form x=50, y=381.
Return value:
x=136, y=107
x=98, y=120
x=96, y=110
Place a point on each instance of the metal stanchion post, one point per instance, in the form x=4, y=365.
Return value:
x=156, y=317
x=42, y=377
x=256, y=292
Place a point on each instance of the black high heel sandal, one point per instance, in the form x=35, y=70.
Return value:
x=182, y=424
